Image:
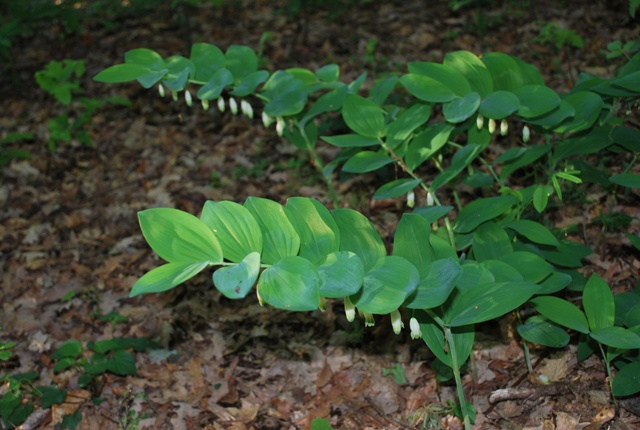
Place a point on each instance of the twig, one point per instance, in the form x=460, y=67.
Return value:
x=525, y=393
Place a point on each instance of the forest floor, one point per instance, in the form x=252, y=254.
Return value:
x=71, y=247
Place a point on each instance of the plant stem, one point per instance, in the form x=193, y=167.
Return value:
x=456, y=374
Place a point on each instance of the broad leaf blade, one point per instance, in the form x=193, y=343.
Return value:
x=561, y=312
x=541, y=331
x=292, y=284
x=167, y=276
x=235, y=282
x=433, y=336
x=318, y=231
x=363, y=116
x=342, y=274
x=481, y=210
x=598, y=303
x=358, y=235
x=436, y=283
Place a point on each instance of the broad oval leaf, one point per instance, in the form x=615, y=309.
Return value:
x=207, y=59
x=386, y=285
x=366, y=161
x=488, y=301
x=328, y=73
x=491, y=242
x=536, y=100
x=249, y=83
x=459, y=162
x=402, y=127
x=167, y=276
x=499, y=105
x=122, y=73
x=627, y=380
x=628, y=180
x=178, y=236
x=443, y=73
x=216, y=84
x=350, y=140
x=279, y=238
x=427, y=143
x=241, y=61
x=437, y=280
x=555, y=117
x=318, y=231
x=541, y=331
x=235, y=282
x=363, y=116
x=587, y=107
x=433, y=336
x=342, y=274
x=535, y=232
x=286, y=95
x=555, y=282
x=358, y=235
x=460, y=109
x=145, y=57
x=411, y=241
x=396, y=188
x=561, y=312
x=292, y=284
x=235, y=228
x=598, y=303
x=427, y=89
x=481, y=210
x=531, y=267
x=617, y=337
x=473, y=69
x=509, y=73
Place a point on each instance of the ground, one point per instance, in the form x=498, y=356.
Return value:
x=71, y=247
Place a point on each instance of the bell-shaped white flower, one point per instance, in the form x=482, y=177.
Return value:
x=322, y=304
x=349, y=309
x=205, y=104
x=233, y=105
x=221, y=105
x=430, y=199
x=504, y=127
x=161, y=90
x=246, y=108
x=492, y=125
x=368, y=319
x=526, y=134
x=187, y=98
x=414, y=325
x=260, y=300
x=280, y=126
x=396, y=321
x=266, y=120
x=411, y=199
x=479, y=121
x=174, y=95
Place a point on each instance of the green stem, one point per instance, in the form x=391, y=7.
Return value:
x=456, y=374
x=320, y=167
x=607, y=366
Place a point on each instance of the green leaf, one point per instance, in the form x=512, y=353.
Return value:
x=287, y=95
x=427, y=89
x=411, y=241
x=481, y=210
x=122, y=363
x=329, y=102
x=122, y=73
x=437, y=280
x=215, y=85
x=561, y=312
x=145, y=57
x=444, y=74
x=305, y=75
x=363, y=116
x=555, y=282
x=628, y=180
x=532, y=268
x=509, y=73
x=501, y=271
x=279, y=238
x=386, y=285
x=350, y=140
x=597, y=139
x=433, y=336
x=533, y=231
x=180, y=68
x=320, y=424
x=617, y=337
x=366, y=161
x=358, y=235
x=541, y=331
x=249, y=83
x=627, y=380
x=635, y=240
x=491, y=242
x=71, y=348
x=207, y=59
x=460, y=109
x=178, y=236
x=166, y=277
x=536, y=100
x=292, y=284
x=541, y=197
x=531, y=154
x=487, y=301
x=598, y=304
x=432, y=213
x=396, y=188
x=460, y=161
x=427, y=143
x=499, y=105
x=235, y=282
x=328, y=73
x=319, y=233
x=473, y=69
x=342, y=275
x=52, y=395
x=587, y=106
x=381, y=90
x=628, y=138
x=234, y=227
x=402, y=127
x=241, y=61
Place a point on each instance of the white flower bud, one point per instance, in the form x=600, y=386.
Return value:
x=266, y=120
x=233, y=105
x=492, y=125
x=221, y=105
x=187, y=98
x=349, y=309
x=414, y=325
x=322, y=304
x=161, y=90
x=259, y=297
x=205, y=104
x=246, y=108
x=396, y=321
x=526, y=134
x=479, y=121
x=504, y=127
x=280, y=126
x=368, y=319
x=174, y=95
x=411, y=199
x=429, y=199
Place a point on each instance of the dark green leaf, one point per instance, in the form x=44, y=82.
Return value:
x=628, y=180
x=536, y=100
x=411, y=241
x=460, y=161
x=444, y=74
x=71, y=348
x=598, y=304
x=241, y=61
x=122, y=363
x=587, y=106
x=561, y=312
x=617, y=337
x=533, y=231
x=433, y=336
x=533, y=268
x=627, y=380
x=396, y=188
x=473, y=69
x=402, y=127
x=342, y=274
x=350, y=140
x=437, y=280
x=207, y=59
x=427, y=89
x=481, y=210
x=215, y=85
x=287, y=95
x=319, y=233
x=363, y=116
x=52, y=395
x=499, y=105
x=491, y=242
x=460, y=109
x=366, y=161
x=249, y=83
x=541, y=331
x=427, y=143
x=358, y=235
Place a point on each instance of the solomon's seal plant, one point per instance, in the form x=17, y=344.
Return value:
x=450, y=268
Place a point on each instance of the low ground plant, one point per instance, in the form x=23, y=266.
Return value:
x=452, y=265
